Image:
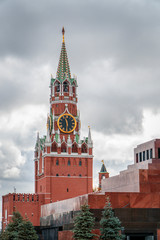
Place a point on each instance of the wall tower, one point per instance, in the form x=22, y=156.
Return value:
x=103, y=174
x=63, y=162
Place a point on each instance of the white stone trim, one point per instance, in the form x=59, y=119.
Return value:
x=63, y=101
x=41, y=193
x=63, y=177
x=52, y=154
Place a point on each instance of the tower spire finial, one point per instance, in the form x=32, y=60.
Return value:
x=63, y=32
x=63, y=70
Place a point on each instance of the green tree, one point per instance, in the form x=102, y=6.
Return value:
x=83, y=224
x=111, y=225
x=19, y=229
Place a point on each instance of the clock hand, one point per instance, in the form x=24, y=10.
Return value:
x=66, y=124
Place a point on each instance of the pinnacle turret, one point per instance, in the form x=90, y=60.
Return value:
x=48, y=140
x=90, y=142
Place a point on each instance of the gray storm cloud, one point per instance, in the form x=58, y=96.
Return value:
x=113, y=48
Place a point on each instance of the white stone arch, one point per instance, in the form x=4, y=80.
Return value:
x=66, y=86
x=84, y=148
x=56, y=87
x=54, y=146
x=74, y=147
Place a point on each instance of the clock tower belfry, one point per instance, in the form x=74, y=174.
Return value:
x=63, y=162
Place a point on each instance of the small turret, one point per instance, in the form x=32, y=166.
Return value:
x=37, y=141
x=103, y=174
x=53, y=123
x=90, y=142
x=59, y=139
x=48, y=139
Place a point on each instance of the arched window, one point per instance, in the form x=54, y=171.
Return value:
x=74, y=148
x=65, y=87
x=54, y=147
x=84, y=148
x=103, y=177
x=57, y=87
x=57, y=162
x=80, y=175
x=57, y=175
x=80, y=163
x=67, y=190
x=69, y=163
x=63, y=147
x=69, y=175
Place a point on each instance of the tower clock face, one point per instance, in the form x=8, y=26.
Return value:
x=66, y=123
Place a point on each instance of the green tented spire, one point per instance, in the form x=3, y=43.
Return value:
x=103, y=168
x=63, y=70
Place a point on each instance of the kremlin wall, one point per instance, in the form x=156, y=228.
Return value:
x=64, y=174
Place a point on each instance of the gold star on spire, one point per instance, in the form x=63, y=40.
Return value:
x=63, y=32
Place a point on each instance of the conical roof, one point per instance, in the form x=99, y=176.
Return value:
x=103, y=169
x=63, y=70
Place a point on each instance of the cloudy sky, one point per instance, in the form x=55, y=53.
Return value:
x=113, y=48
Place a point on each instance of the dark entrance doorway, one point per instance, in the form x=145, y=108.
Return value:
x=137, y=238
x=140, y=236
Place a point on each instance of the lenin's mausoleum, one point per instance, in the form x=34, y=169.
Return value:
x=64, y=171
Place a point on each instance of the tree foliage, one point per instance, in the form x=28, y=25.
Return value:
x=111, y=225
x=19, y=229
x=83, y=224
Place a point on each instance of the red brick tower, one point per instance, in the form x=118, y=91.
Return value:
x=103, y=174
x=63, y=162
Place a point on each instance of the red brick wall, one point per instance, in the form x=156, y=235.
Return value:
x=61, y=108
x=63, y=186
x=27, y=204
x=100, y=177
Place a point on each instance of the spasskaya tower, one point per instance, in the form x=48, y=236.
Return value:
x=63, y=162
